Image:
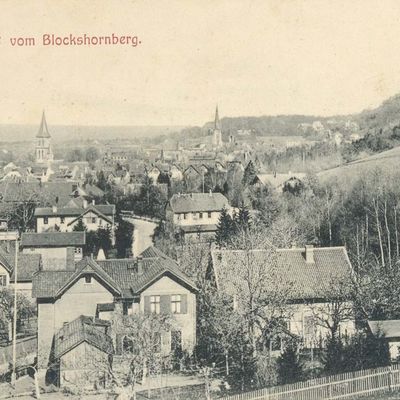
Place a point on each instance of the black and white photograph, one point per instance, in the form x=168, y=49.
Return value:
x=199, y=199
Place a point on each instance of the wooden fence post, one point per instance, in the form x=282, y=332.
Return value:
x=390, y=379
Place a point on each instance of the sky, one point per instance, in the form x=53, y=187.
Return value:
x=251, y=57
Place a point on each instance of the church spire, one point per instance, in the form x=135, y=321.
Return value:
x=43, y=130
x=217, y=123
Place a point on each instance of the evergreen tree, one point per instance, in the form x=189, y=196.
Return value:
x=123, y=238
x=225, y=229
x=242, y=219
x=80, y=226
x=249, y=174
x=289, y=367
x=334, y=356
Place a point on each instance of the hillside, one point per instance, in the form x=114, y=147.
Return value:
x=345, y=174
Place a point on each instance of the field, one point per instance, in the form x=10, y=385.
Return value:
x=347, y=173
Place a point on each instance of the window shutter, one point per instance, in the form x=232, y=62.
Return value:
x=183, y=303
x=147, y=304
x=165, y=304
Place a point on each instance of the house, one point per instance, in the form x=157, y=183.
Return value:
x=306, y=275
x=27, y=264
x=277, y=180
x=196, y=213
x=58, y=249
x=390, y=331
x=83, y=352
x=150, y=283
x=64, y=219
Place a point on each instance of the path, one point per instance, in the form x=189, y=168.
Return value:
x=142, y=234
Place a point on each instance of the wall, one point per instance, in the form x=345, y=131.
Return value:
x=300, y=313
x=83, y=366
x=53, y=258
x=194, y=219
x=186, y=323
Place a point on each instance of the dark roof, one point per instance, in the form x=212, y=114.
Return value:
x=388, y=328
x=102, y=209
x=28, y=264
x=198, y=228
x=154, y=265
x=49, y=284
x=104, y=307
x=196, y=202
x=53, y=239
x=43, y=130
x=306, y=280
x=83, y=329
x=121, y=275
x=59, y=192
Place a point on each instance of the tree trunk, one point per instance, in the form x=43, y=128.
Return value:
x=378, y=227
x=389, y=247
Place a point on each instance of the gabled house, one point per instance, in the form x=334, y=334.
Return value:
x=307, y=273
x=64, y=219
x=196, y=214
x=150, y=283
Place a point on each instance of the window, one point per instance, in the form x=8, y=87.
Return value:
x=184, y=215
x=200, y=215
x=88, y=279
x=46, y=220
x=78, y=250
x=209, y=214
x=155, y=304
x=94, y=220
x=62, y=220
x=3, y=280
x=176, y=304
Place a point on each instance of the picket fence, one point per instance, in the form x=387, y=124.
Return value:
x=348, y=385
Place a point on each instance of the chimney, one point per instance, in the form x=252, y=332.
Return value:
x=139, y=263
x=85, y=203
x=94, y=202
x=309, y=254
x=54, y=209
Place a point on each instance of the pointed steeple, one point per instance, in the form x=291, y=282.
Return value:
x=217, y=123
x=43, y=130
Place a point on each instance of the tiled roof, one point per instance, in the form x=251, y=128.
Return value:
x=119, y=274
x=53, y=239
x=28, y=264
x=48, y=284
x=103, y=209
x=196, y=202
x=154, y=264
x=389, y=328
x=307, y=280
x=82, y=329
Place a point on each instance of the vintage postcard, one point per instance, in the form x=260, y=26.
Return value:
x=199, y=199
